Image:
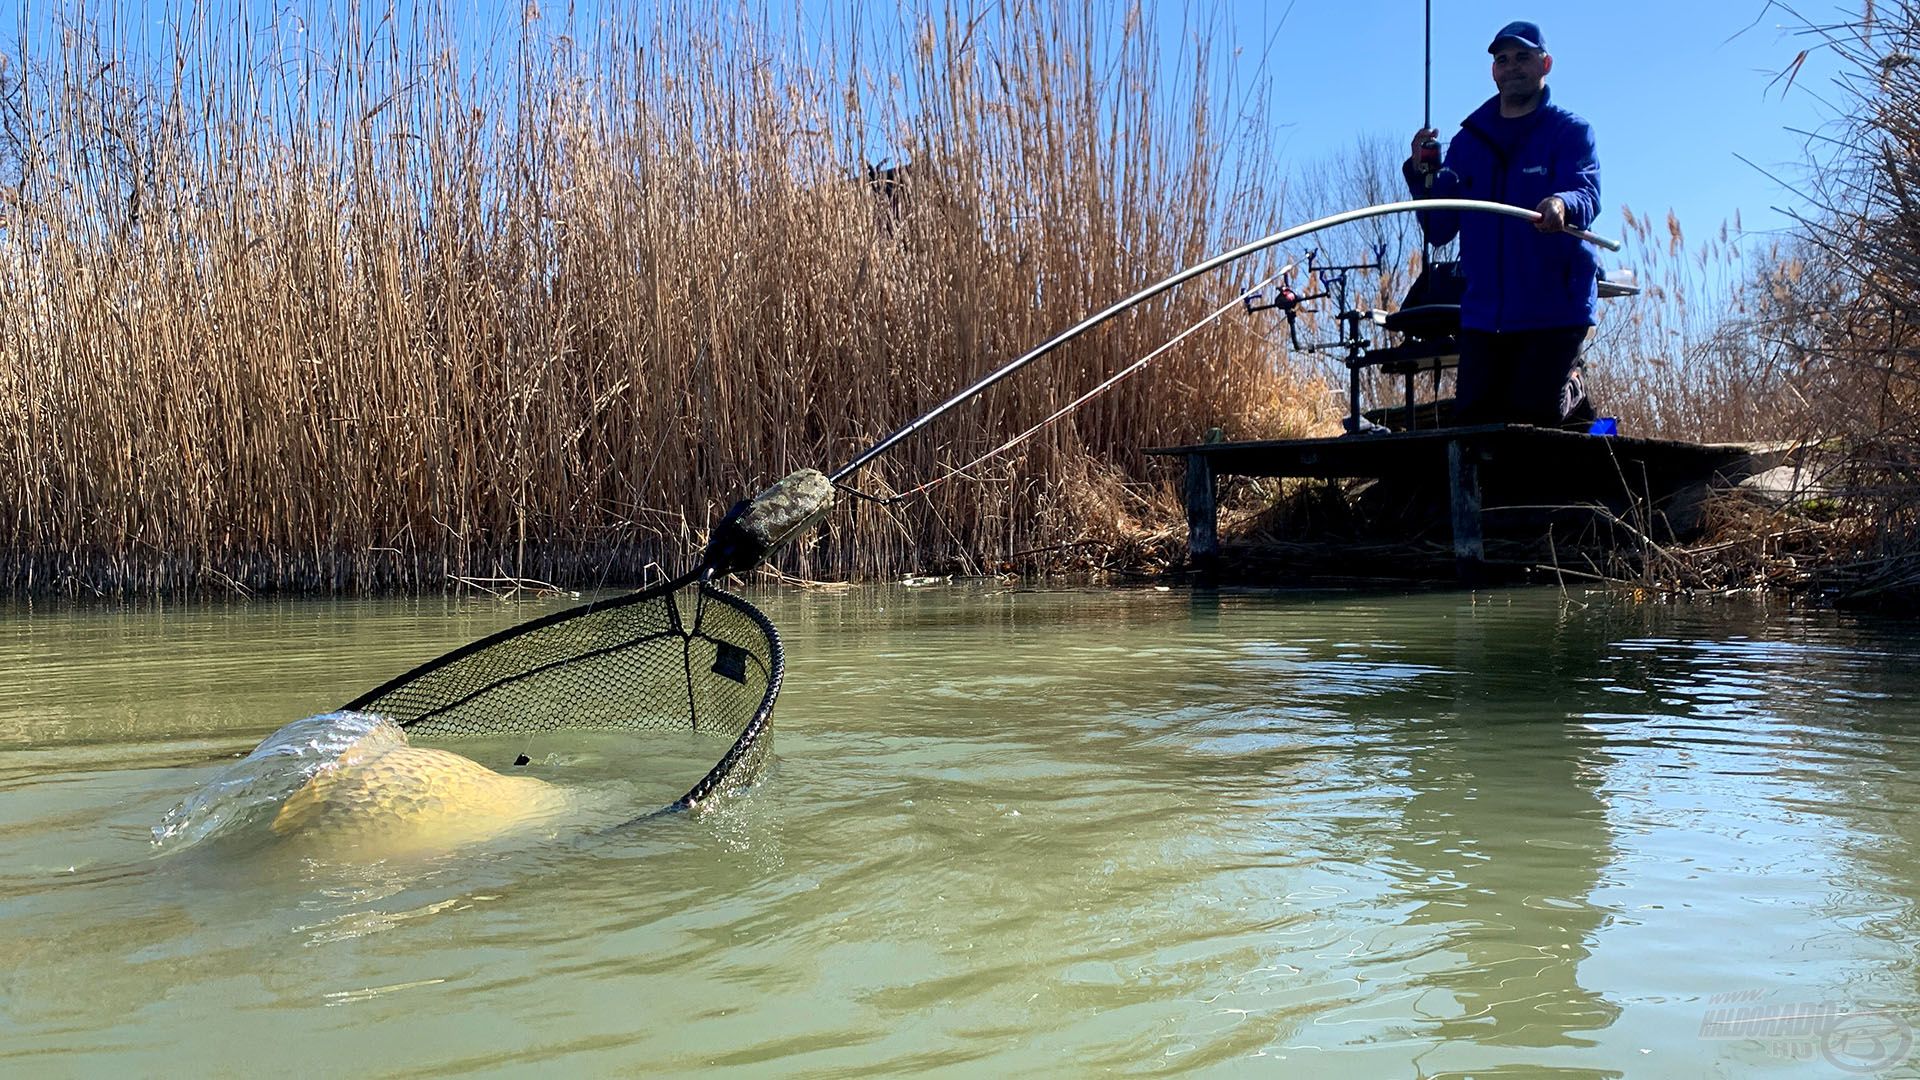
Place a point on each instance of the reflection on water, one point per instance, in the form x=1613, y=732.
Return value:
x=1020, y=833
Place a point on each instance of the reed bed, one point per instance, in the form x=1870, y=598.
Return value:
x=354, y=303
x=1690, y=358
x=1823, y=333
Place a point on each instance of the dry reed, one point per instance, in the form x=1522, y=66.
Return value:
x=319, y=304
x=1826, y=330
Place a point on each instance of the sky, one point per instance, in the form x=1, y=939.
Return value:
x=1677, y=91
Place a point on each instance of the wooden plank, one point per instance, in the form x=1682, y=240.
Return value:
x=1523, y=450
x=1511, y=475
x=1463, y=485
x=1203, y=514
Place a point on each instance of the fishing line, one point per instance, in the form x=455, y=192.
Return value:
x=839, y=475
x=684, y=655
x=1130, y=369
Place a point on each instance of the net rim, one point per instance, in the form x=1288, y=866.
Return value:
x=743, y=744
x=652, y=592
x=749, y=737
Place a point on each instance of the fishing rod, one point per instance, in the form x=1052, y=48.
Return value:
x=1426, y=113
x=1428, y=156
x=1191, y=272
x=1244, y=301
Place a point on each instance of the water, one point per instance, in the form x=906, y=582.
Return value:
x=1013, y=833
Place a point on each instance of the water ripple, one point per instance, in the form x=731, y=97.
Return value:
x=1015, y=834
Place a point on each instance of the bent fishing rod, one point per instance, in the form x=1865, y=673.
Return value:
x=1191, y=272
x=756, y=526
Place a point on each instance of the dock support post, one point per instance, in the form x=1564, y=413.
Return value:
x=1203, y=519
x=1463, y=484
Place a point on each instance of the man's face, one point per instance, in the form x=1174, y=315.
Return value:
x=1518, y=71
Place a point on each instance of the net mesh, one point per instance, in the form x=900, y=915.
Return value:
x=681, y=656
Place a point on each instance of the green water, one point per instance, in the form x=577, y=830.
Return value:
x=1024, y=834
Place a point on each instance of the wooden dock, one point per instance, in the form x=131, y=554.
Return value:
x=1485, y=468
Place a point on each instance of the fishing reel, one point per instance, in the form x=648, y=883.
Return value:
x=1332, y=281
x=1355, y=336
x=1286, y=300
x=1427, y=161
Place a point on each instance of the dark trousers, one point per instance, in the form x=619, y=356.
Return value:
x=1516, y=378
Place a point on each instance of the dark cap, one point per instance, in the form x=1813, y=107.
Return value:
x=1525, y=33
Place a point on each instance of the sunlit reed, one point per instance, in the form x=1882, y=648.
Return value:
x=336, y=304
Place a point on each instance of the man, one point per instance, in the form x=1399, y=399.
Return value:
x=1530, y=288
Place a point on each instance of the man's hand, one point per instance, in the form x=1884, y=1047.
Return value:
x=1553, y=214
x=1426, y=142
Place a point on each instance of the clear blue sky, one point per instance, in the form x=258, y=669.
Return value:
x=1672, y=100
x=1675, y=89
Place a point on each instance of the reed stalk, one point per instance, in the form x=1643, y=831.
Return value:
x=350, y=303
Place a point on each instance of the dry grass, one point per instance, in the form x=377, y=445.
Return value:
x=299, y=305
x=1689, y=357
x=1824, y=331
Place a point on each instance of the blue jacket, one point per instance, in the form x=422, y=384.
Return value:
x=1518, y=278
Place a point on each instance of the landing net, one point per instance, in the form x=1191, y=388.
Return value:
x=682, y=656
